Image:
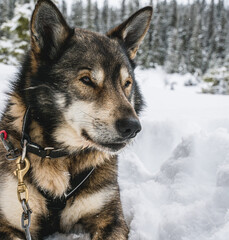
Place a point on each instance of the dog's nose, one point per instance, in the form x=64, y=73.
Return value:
x=128, y=127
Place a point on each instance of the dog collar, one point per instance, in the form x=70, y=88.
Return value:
x=47, y=152
x=14, y=153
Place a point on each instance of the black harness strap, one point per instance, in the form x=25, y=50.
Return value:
x=34, y=148
x=59, y=203
x=54, y=205
x=78, y=181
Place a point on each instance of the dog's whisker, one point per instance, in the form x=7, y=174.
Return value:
x=84, y=122
x=88, y=114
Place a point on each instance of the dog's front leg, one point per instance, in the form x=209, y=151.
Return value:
x=109, y=224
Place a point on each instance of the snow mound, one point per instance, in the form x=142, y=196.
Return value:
x=188, y=198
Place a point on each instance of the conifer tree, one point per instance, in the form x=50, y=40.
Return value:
x=11, y=7
x=77, y=14
x=105, y=20
x=137, y=4
x=195, y=56
x=96, y=17
x=114, y=17
x=172, y=59
x=89, y=15
x=173, y=20
x=164, y=25
x=123, y=10
x=130, y=7
x=64, y=8
x=183, y=42
x=190, y=24
x=3, y=15
x=221, y=33
x=18, y=31
x=147, y=46
x=210, y=44
x=158, y=43
x=226, y=61
x=181, y=37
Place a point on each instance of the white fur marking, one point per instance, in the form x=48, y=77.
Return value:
x=124, y=74
x=99, y=76
x=9, y=203
x=89, y=204
x=60, y=100
x=78, y=117
x=11, y=208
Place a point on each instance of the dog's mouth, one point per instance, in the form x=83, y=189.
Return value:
x=114, y=146
x=111, y=147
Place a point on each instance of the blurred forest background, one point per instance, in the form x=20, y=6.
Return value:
x=183, y=38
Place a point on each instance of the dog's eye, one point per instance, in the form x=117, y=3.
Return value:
x=127, y=83
x=87, y=81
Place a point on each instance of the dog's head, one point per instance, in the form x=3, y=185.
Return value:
x=83, y=90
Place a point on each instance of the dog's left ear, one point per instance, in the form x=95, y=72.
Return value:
x=131, y=32
x=49, y=30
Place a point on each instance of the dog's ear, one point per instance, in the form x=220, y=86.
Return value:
x=131, y=32
x=49, y=29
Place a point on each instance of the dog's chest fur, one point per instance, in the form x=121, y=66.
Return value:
x=90, y=200
x=83, y=98
x=53, y=176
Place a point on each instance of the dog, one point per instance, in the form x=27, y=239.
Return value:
x=74, y=106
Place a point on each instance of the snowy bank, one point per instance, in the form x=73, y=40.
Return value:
x=174, y=178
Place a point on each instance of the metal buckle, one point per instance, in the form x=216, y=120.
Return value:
x=13, y=154
x=48, y=151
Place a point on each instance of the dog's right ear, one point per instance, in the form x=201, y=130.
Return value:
x=49, y=30
x=132, y=31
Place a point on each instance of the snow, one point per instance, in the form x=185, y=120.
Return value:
x=8, y=73
x=174, y=178
x=20, y=10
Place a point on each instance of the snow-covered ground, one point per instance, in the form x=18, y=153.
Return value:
x=174, y=178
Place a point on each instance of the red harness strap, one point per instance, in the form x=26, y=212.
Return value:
x=12, y=153
x=5, y=134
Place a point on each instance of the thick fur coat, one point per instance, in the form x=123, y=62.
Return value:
x=83, y=98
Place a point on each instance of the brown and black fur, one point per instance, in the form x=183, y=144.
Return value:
x=72, y=74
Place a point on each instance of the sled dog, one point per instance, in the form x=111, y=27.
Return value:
x=73, y=107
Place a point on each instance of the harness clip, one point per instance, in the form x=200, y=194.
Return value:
x=12, y=153
x=22, y=169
